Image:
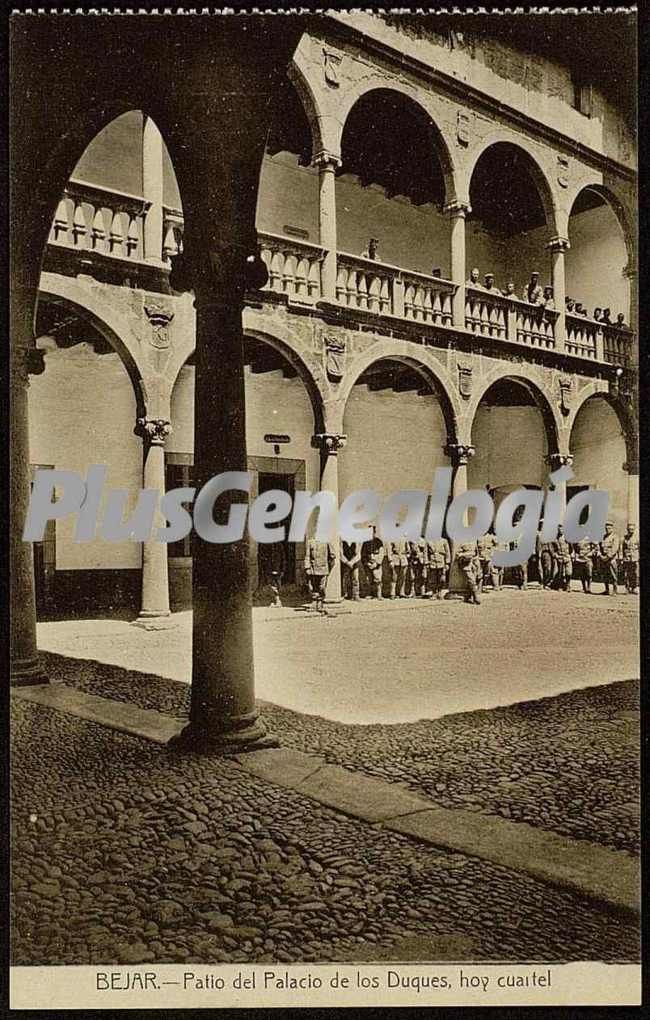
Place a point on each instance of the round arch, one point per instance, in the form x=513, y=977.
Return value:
x=378, y=83
x=326, y=136
x=527, y=378
x=624, y=414
x=102, y=316
x=542, y=182
x=312, y=377
x=426, y=365
x=617, y=206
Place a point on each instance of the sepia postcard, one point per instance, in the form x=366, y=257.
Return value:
x=324, y=499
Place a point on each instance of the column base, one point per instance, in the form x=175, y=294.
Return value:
x=27, y=673
x=154, y=621
x=197, y=739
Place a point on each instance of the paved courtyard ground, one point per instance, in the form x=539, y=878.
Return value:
x=523, y=707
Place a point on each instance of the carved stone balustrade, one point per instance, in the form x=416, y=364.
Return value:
x=294, y=267
x=100, y=220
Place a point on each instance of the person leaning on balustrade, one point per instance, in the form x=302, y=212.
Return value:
x=475, y=279
x=534, y=294
x=372, y=250
x=598, y=314
x=620, y=321
x=606, y=320
x=510, y=291
x=569, y=305
x=489, y=284
x=549, y=301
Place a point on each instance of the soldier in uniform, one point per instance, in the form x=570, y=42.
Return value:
x=584, y=552
x=439, y=557
x=563, y=561
x=350, y=563
x=497, y=572
x=534, y=294
x=418, y=563
x=485, y=547
x=320, y=557
x=277, y=565
x=489, y=284
x=520, y=570
x=397, y=565
x=467, y=557
x=609, y=550
x=545, y=560
x=630, y=560
x=372, y=557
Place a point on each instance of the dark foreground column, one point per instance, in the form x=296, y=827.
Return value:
x=223, y=715
x=25, y=665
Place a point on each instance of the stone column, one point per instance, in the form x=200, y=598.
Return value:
x=558, y=246
x=460, y=455
x=152, y=190
x=25, y=666
x=457, y=211
x=327, y=165
x=223, y=714
x=630, y=273
x=155, y=578
x=329, y=444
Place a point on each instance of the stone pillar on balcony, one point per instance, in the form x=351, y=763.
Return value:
x=558, y=246
x=457, y=211
x=557, y=461
x=154, y=606
x=152, y=190
x=630, y=273
x=460, y=455
x=329, y=444
x=25, y=667
x=327, y=165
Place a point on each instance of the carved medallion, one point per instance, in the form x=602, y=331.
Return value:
x=331, y=62
x=159, y=316
x=565, y=395
x=335, y=351
x=462, y=127
x=563, y=171
x=465, y=380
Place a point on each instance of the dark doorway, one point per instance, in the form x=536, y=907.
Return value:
x=286, y=483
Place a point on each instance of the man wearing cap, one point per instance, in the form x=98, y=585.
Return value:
x=397, y=567
x=467, y=558
x=320, y=557
x=562, y=556
x=630, y=560
x=439, y=559
x=350, y=562
x=372, y=557
x=584, y=552
x=485, y=548
x=489, y=284
x=609, y=550
x=534, y=293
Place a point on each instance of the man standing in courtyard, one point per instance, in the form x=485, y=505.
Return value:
x=398, y=565
x=350, y=563
x=320, y=557
x=584, y=552
x=467, y=557
x=439, y=559
x=609, y=550
x=372, y=557
x=418, y=562
x=563, y=561
x=545, y=560
x=630, y=560
x=485, y=548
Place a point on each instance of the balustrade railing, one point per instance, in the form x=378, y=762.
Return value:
x=94, y=219
x=101, y=220
x=294, y=267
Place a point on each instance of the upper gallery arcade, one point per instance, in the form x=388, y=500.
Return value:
x=394, y=167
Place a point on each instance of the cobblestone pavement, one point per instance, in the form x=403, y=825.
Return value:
x=125, y=853
x=569, y=764
x=409, y=660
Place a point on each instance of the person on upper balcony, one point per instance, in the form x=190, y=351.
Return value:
x=579, y=309
x=620, y=321
x=534, y=294
x=475, y=279
x=548, y=299
x=606, y=319
x=510, y=291
x=372, y=251
x=598, y=314
x=569, y=305
x=489, y=284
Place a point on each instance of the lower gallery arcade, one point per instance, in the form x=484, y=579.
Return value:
x=83, y=409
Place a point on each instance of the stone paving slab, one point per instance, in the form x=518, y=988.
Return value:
x=600, y=874
x=117, y=715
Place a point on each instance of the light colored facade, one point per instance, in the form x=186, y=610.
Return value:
x=415, y=369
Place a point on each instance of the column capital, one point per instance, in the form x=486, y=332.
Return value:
x=329, y=443
x=457, y=208
x=155, y=430
x=325, y=160
x=559, y=460
x=459, y=453
x=558, y=243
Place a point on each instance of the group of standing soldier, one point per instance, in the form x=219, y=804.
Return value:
x=421, y=569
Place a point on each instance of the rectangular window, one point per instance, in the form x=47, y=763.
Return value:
x=582, y=97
